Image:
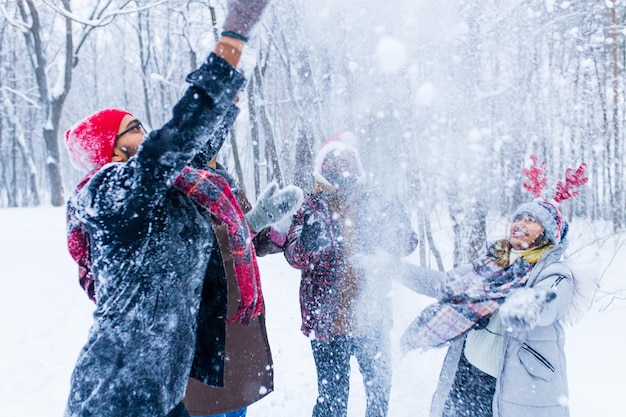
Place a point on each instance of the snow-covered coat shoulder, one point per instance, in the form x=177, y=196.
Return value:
x=148, y=275
x=533, y=377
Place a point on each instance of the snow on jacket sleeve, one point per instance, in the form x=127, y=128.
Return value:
x=558, y=279
x=216, y=139
x=422, y=280
x=122, y=195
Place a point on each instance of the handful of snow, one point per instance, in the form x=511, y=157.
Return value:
x=522, y=308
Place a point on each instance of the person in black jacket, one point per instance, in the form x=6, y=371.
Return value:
x=219, y=387
x=142, y=228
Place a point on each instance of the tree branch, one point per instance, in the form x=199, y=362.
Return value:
x=104, y=18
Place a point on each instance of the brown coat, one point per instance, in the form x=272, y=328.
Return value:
x=248, y=366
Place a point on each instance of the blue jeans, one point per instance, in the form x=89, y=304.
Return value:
x=237, y=413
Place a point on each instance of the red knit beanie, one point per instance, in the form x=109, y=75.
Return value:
x=90, y=142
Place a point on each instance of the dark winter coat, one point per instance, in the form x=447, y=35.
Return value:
x=150, y=247
x=361, y=225
x=247, y=374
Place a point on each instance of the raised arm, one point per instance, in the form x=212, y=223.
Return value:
x=122, y=195
x=420, y=279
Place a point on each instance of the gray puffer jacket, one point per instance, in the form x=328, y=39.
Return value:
x=532, y=380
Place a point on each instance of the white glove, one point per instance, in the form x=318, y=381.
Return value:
x=522, y=308
x=273, y=205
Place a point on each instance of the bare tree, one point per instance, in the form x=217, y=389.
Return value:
x=507, y=79
x=50, y=100
x=53, y=60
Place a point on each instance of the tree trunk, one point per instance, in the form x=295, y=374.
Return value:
x=303, y=177
x=51, y=106
x=455, y=213
x=254, y=132
x=617, y=203
x=270, y=144
x=237, y=159
x=431, y=244
x=144, y=57
x=477, y=233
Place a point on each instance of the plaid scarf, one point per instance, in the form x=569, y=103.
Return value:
x=211, y=192
x=468, y=298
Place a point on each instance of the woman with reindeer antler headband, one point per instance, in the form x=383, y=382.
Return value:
x=501, y=316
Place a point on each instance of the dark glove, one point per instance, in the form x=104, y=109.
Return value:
x=522, y=308
x=313, y=235
x=243, y=15
x=273, y=205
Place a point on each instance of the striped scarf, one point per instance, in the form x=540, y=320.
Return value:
x=211, y=192
x=470, y=297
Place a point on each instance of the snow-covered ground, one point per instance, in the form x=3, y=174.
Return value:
x=44, y=317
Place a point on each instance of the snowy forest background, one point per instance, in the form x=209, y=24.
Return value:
x=448, y=98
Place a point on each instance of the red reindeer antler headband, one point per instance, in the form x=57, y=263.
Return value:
x=564, y=191
x=534, y=174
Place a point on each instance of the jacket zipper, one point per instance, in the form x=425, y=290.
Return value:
x=539, y=357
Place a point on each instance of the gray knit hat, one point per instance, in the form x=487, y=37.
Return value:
x=549, y=216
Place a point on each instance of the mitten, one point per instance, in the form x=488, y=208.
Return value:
x=273, y=205
x=522, y=309
x=313, y=235
x=242, y=16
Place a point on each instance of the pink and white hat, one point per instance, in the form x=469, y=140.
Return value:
x=337, y=145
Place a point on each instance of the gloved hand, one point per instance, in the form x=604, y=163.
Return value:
x=522, y=308
x=243, y=15
x=313, y=234
x=273, y=205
